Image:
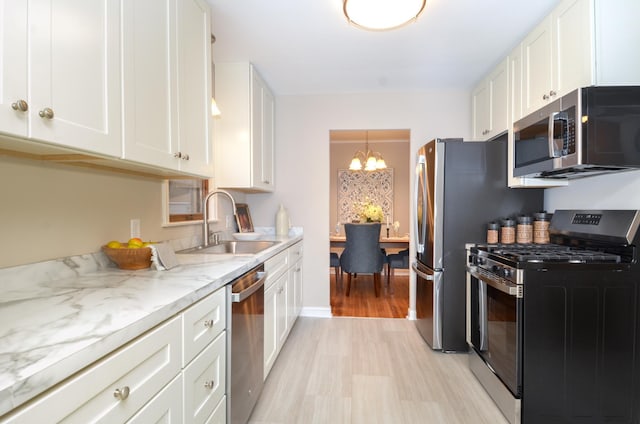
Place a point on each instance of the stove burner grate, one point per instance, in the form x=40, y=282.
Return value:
x=551, y=253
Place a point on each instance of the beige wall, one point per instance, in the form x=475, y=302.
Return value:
x=50, y=211
x=396, y=155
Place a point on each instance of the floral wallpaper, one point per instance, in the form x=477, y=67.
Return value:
x=357, y=187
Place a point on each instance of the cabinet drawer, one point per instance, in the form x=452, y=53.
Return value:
x=219, y=416
x=202, y=323
x=205, y=381
x=295, y=253
x=275, y=266
x=166, y=406
x=142, y=367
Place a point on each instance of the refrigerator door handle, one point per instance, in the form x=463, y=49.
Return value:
x=421, y=233
x=421, y=274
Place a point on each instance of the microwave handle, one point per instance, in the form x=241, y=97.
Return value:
x=557, y=145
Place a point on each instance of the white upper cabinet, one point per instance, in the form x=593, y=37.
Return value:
x=490, y=102
x=61, y=73
x=195, y=87
x=536, y=75
x=244, y=135
x=167, y=85
x=581, y=43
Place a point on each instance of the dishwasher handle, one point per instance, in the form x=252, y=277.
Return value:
x=261, y=277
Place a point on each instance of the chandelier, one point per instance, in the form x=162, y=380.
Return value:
x=379, y=15
x=372, y=160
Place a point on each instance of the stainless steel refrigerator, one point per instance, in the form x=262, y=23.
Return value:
x=460, y=187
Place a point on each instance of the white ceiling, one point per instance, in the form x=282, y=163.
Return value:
x=307, y=46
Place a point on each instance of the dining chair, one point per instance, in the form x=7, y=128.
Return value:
x=396, y=261
x=334, y=261
x=362, y=254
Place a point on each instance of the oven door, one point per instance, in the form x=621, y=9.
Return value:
x=495, y=326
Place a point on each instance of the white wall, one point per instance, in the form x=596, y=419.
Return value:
x=302, y=161
x=614, y=191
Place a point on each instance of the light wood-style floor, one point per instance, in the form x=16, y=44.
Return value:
x=369, y=370
x=393, y=301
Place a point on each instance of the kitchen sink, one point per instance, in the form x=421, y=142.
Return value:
x=232, y=247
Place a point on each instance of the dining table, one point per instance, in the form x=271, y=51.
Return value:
x=391, y=242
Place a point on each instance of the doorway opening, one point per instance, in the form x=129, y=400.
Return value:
x=388, y=189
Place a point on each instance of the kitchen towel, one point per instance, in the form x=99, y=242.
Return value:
x=163, y=256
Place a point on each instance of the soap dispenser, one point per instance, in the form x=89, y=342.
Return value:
x=282, y=222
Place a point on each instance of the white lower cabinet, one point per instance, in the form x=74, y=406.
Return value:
x=219, y=415
x=113, y=389
x=175, y=373
x=165, y=407
x=282, y=301
x=205, y=381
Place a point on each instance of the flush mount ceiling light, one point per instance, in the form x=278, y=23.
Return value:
x=372, y=160
x=381, y=15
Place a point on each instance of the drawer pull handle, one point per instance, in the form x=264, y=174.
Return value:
x=121, y=394
x=208, y=323
x=209, y=384
x=20, y=105
x=46, y=113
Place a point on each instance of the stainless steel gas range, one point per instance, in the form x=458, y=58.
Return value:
x=554, y=328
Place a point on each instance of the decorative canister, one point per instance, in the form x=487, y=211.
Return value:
x=492, y=232
x=282, y=222
x=524, y=230
x=508, y=231
x=541, y=227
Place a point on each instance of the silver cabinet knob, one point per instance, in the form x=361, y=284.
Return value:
x=177, y=155
x=208, y=323
x=20, y=105
x=210, y=384
x=46, y=113
x=185, y=157
x=121, y=394
x=545, y=97
x=552, y=93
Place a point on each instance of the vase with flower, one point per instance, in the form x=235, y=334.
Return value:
x=370, y=212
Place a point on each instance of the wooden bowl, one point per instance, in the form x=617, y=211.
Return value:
x=127, y=258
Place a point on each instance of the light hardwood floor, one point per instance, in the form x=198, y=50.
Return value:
x=369, y=370
x=393, y=301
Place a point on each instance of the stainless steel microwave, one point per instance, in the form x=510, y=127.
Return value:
x=590, y=131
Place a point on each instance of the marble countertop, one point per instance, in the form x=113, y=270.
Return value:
x=57, y=317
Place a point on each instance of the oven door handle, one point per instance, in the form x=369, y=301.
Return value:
x=244, y=294
x=421, y=274
x=507, y=288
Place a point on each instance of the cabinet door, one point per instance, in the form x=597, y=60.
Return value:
x=294, y=293
x=515, y=85
x=137, y=371
x=537, y=79
x=268, y=139
x=205, y=381
x=282, y=322
x=194, y=87
x=270, y=326
x=481, y=113
x=202, y=323
x=75, y=74
x=262, y=109
x=498, y=82
x=165, y=407
x=149, y=46
x=573, y=52
x=219, y=415
x=13, y=67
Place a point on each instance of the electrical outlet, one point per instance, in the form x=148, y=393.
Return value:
x=230, y=221
x=135, y=228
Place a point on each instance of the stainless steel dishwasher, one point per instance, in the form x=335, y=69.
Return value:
x=245, y=352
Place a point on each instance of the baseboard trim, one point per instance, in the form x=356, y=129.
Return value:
x=316, y=312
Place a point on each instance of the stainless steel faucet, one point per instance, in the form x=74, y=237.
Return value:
x=205, y=213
